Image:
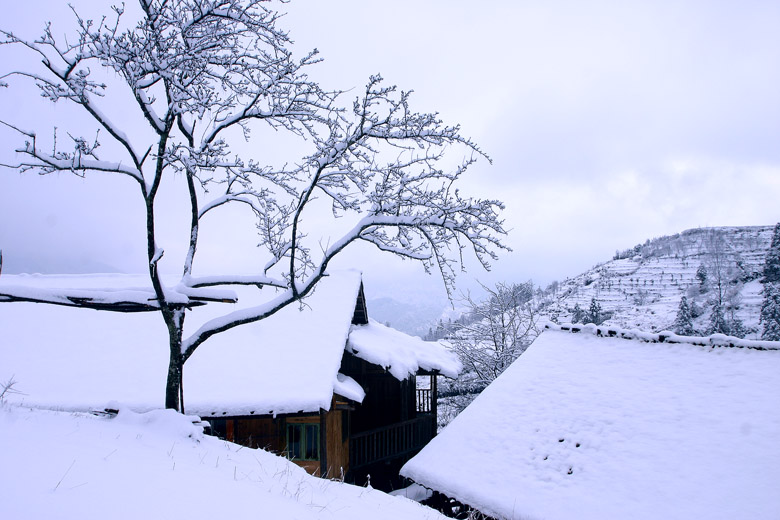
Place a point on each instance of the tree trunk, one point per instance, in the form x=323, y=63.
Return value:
x=173, y=386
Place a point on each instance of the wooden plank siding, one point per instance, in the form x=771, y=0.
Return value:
x=336, y=462
x=375, y=437
x=270, y=433
x=251, y=431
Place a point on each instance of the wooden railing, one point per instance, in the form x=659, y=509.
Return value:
x=423, y=400
x=394, y=441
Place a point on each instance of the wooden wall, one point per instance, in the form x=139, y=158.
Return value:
x=270, y=434
x=388, y=401
x=337, y=439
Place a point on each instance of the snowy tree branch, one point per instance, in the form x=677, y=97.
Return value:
x=200, y=73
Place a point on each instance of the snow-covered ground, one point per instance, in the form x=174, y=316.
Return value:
x=159, y=465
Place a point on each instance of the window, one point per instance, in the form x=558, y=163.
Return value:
x=303, y=441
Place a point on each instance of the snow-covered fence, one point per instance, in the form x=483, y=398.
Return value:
x=715, y=340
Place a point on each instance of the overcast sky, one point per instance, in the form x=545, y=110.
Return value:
x=608, y=123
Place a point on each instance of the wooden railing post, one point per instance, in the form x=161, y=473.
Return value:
x=435, y=399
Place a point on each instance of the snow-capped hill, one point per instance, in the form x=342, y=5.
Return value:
x=642, y=287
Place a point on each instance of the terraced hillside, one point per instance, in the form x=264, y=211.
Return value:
x=642, y=287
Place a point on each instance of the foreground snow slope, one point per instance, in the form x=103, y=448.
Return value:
x=158, y=465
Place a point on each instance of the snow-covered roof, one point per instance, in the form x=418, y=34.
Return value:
x=81, y=359
x=590, y=427
x=399, y=353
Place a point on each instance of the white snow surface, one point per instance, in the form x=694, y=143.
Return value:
x=414, y=492
x=62, y=289
x=287, y=363
x=158, y=465
x=81, y=360
x=78, y=359
x=590, y=427
x=399, y=353
x=349, y=388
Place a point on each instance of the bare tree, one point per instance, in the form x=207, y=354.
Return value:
x=202, y=74
x=7, y=388
x=723, y=276
x=497, y=331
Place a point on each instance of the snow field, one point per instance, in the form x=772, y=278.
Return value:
x=158, y=464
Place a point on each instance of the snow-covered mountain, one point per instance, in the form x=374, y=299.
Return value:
x=641, y=287
x=415, y=318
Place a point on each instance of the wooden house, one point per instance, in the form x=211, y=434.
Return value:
x=320, y=383
x=369, y=429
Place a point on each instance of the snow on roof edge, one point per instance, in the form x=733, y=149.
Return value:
x=401, y=354
x=714, y=340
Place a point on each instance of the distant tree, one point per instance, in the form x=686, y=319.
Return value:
x=721, y=270
x=641, y=297
x=718, y=323
x=204, y=77
x=737, y=328
x=500, y=328
x=683, y=323
x=577, y=315
x=733, y=301
x=772, y=262
x=724, y=278
x=770, y=312
x=696, y=310
x=701, y=275
x=594, y=314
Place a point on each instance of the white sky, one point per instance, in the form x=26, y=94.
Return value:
x=608, y=123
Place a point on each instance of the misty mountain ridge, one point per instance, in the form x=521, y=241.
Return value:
x=413, y=318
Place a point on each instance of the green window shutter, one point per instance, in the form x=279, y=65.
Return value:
x=303, y=441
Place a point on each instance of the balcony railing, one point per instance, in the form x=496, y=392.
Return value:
x=423, y=400
x=394, y=441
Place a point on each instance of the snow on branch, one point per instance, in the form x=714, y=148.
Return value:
x=124, y=300
x=210, y=281
x=201, y=73
x=83, y=158
x=409, y=192
x=141, y=299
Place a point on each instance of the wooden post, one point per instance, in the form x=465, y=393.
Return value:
x=406, y=388
x=229, y=431
x=434, y=401
x=323, y=443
